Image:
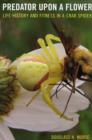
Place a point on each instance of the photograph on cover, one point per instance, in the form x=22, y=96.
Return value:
x=45, y=70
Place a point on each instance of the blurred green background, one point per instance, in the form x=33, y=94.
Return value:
x=18, y=36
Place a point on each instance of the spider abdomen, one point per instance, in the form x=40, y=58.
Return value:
x=31, y=73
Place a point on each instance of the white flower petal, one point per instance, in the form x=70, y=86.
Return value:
x=39, y=117
x=39, y=121
x=76, y=103
x=5, y=133
x=79, y=82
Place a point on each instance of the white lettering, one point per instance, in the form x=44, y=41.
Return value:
x=78, y=7
x=19, y=7
x=45, y=6
x=61, y=8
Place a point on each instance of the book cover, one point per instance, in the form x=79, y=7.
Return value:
x=37, y=82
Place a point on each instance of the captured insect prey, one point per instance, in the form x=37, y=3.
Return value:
x=77, y=63
x=46, y=69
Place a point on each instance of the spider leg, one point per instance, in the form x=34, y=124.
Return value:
x=46, y=93
x=68, y=101
x=74, y=77
x=42, y=44
x=50, y=52
x=77, y=90
x=32, y=99
x=49, y=38
x=57, y=89
x=56, y=92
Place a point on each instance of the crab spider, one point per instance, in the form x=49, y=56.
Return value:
x=51, y=71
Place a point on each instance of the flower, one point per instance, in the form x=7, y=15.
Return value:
x=5, y=133
x=38, y=116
